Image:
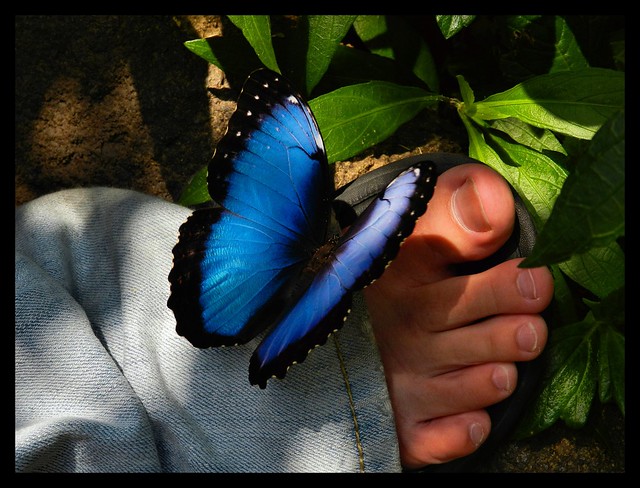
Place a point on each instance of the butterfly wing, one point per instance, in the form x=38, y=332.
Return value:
x=271, y=179
x=271, y=165
x=360, y=256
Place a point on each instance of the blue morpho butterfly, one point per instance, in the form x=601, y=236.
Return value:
x=270, y=256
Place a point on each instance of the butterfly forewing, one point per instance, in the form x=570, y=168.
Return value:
x=270, y=176
x=271, y=164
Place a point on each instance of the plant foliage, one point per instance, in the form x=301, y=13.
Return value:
x=542, y=101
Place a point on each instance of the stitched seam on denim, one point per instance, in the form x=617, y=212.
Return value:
x=347, y=385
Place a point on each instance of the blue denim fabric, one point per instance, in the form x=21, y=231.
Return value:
x=104, y=383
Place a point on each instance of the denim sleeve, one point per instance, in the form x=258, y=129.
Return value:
x=104, y=384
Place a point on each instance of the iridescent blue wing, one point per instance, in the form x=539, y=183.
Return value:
x=359, y=257
x=233, y=265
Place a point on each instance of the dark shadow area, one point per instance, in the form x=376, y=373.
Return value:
x=291, y=44
x=175, y=107
x=235, y=55
x=90, y=59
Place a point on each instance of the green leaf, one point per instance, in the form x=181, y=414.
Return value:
x=232, y=53
x=356, y=117
x=568, y=55
x=582, y=356
x=391, y=36
x=533, y=137
x=351, y=66
x=576, y=103
x=202, y=48
x=600, y=270
x=590, y=209
x=564, y=310
x=539, y=180
x=468, y=97
x=574, y=384
x=520, y=23
x=309, y=47
x=611, y=308
x=196, y=191
x=373, y=31
x=611, y=354
x=536, y=177
x=542, y=44
x=611, y=361
x=257, y=30
x=570, y=388
x=450, y=25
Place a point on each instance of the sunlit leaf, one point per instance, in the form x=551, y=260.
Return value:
x=196, y=191
x=576, y=103
x=257, y=30
x=528, y=135
x=450, y=25
x=325, y=33
x=355, y=117
x=535, y=176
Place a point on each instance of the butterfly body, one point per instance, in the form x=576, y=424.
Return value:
x=271, y=256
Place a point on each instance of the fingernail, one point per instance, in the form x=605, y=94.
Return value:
x=476, y=433
x=527, y=337
x=526, y=285
x=500, y=378
x=467, y=208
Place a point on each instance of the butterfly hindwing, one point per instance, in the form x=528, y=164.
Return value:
x=359, y=257
x=271, y=179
